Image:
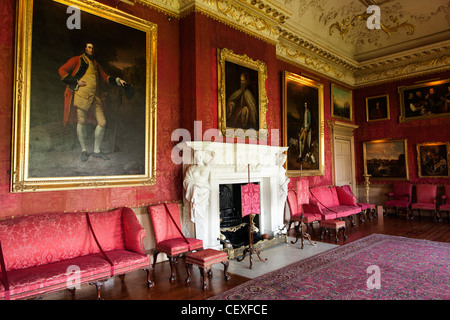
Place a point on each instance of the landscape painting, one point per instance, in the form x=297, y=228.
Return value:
x=386, y=159
x=341, y=103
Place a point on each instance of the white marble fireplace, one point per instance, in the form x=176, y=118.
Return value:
x=214, y=163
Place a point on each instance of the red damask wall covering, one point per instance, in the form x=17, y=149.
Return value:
x=416, y=132
x=187, y=92
x=169, y=177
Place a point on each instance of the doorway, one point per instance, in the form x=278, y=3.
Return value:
x=343, y=154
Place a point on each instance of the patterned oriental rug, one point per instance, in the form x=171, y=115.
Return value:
x=377, y=267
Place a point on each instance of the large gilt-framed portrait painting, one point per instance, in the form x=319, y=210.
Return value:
x=303, y=130
x=242, y=98
x=386, y=159
x=85, y=97
x=424, y=100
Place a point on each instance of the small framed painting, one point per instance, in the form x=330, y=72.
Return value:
x=341, y=103
x=377, y=108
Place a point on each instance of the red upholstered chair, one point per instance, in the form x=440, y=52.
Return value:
x=367, y=209
x=426, y=199
x=445, y=203
x=302, y=213
x=168, y=236
x=400, y=198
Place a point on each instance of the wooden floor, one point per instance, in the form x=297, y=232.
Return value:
x=133, y=286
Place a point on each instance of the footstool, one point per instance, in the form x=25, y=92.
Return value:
x=327, y=225
x=204, y=259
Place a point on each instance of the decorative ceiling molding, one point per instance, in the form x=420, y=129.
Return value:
x=313, y=62
x=271, y=21
x=421, y=61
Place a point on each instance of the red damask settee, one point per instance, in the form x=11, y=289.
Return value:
x=333, y=203
x=49, y=252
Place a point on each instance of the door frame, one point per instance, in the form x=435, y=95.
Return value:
x=344, y=131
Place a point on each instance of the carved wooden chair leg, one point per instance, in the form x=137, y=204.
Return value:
x=98, y=285
x=203, y=273
x=188, y=267
x=225, y=270
x=72, y=292
x=352, y=220
x=155, y=256
x=173, y=262
x=149, y=280
x=322, y=232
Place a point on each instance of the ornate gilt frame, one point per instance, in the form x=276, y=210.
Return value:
x=422, y=147
x=441, y=89
x=349, y=93
x=384, y=146
x=385, y=99
x=300, y=81
x=20, y=179
x=227, y=55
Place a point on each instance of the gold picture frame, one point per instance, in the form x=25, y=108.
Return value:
x=424, y=100
x=45, y=148
x=377, y=108
x=341, y=102
x=433, y=160
x=306, y=153
x=248, y=120
x=386, y=159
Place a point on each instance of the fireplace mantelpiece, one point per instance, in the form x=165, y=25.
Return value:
x=229, y=163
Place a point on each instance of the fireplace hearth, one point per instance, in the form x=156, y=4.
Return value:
x=212, y=167
x=234, y=227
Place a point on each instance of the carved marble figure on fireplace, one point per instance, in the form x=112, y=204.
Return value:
x=197, y=191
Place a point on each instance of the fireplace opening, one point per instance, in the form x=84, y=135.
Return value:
x=233, y=226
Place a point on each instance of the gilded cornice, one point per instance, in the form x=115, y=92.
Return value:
x=316, y=63
x=265, y=20
x=429, y=59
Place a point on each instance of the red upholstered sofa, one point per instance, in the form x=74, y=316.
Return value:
x=49, y=252
x=333, y=202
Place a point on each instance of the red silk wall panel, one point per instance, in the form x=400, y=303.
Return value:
x=326, y=179
x=168, y=184
x=418, y=131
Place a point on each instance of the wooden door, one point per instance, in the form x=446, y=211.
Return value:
x=343, y=166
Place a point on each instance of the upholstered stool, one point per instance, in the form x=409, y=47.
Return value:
x=327, y=225
x=204, y=259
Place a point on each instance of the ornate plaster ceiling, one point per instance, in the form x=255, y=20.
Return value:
x=331, y=37
x=341, y=25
